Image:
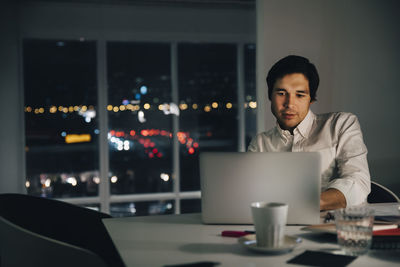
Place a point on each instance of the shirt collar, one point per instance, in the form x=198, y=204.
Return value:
x=303, y=128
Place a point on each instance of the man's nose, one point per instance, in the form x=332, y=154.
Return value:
x=289, y=100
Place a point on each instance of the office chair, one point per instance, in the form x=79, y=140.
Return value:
x=58, y=222
x=381, y=194
x=21, y=247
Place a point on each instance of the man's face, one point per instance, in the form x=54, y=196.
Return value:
x=290, y=100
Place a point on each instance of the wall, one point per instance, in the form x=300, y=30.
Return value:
x=138, y=22
x=354, y=45
x=11, y=139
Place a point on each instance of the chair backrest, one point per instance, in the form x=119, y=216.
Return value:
x=21, y=247
x=381, y=194
x=61, y=221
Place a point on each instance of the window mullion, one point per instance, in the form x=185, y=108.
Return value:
x=175, y=127
x=240, y=97
x=104, y=188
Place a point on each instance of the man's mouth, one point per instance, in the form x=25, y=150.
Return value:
x=288, y=115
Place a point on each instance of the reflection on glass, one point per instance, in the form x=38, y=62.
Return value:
x=140, y=123
x=61, y=128
x=208, y=104
x=95, y=207
x=142, y=208
x=250, y=92
x=190, y=206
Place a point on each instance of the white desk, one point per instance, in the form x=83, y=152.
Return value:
x=175, y=239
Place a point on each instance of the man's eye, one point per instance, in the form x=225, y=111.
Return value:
x=300, y=96
x=280, y=93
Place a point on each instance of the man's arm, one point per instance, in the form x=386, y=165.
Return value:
x=332, y=199
x=353, y=181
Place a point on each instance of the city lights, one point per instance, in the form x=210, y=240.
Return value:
x=141, y=117
x=143, y=89
x=27, y=184
x=126, y=145
x=253, y=104
x=183, y=106
x=96, y=180
x=114, y=179
x=77, y=138
x=164, y=177
x=191, y=150
x=72, y=181
x=47, y=183
x=88, y=115
x=170, y=108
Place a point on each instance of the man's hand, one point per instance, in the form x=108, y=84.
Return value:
x=332, y=199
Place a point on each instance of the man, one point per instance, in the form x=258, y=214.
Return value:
x=292, y=85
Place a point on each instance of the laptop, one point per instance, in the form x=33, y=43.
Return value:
x=230, y=181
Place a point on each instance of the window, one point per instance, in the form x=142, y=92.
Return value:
x=60, y=118
x=208, y=102
x=250, y=91
x=140, y=128
x=160, y=117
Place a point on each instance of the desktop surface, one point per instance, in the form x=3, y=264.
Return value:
x=177, y=239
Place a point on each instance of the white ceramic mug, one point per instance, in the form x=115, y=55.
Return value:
x=269, y=220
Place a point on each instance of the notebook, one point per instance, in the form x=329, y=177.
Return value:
x=230, y=181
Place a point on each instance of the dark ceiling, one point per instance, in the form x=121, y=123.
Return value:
x=194, y=3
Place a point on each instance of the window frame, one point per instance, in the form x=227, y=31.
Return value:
x=105, y=198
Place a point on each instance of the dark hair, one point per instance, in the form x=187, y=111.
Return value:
x=294, y=64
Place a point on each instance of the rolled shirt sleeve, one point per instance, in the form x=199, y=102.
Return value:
x=351, y=159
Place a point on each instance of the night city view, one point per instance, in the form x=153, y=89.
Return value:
x=62, y=117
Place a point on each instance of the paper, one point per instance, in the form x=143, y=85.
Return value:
x=386, y=209
x=331, y=227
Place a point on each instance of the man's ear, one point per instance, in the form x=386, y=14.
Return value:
x=313, y=101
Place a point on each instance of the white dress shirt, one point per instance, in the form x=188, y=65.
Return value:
x=337, y=137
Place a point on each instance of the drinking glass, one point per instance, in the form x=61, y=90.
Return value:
x=354, y=229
